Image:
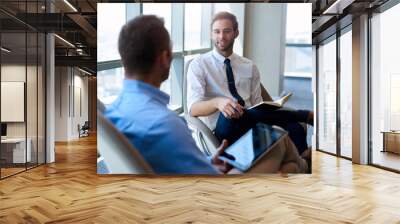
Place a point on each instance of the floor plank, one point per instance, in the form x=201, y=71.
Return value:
x=70, y=191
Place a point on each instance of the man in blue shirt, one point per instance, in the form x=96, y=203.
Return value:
x=140, y=112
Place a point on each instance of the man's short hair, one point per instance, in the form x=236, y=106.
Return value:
x=140, y=42
x=228, y=16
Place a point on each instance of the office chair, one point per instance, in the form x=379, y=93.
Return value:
x=115, y=150
x=84, y=129
x=204, y=136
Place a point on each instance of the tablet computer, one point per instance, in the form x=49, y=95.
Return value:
x=245, y=152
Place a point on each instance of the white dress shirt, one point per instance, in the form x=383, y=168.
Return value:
x=206, y=79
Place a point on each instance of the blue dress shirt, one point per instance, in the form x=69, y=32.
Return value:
x=140, y=112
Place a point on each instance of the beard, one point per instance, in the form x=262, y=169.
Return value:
x=165, y=70
x=229, y=46
x=165, y=74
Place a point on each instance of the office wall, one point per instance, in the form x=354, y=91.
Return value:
x=71, y=102
x=62, y=80
x=264, y=42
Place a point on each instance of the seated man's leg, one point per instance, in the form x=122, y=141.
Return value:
x=292, y=156
x=232, y=129
x=298, y=135
x=283, y=156
x=280, y=116
x=288, y=120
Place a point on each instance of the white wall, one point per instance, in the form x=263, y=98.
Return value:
x=71, y=94
x=264, y=42
x=61, y=103
x=80, y=110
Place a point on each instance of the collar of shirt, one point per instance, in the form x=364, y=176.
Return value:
x=220, y=58
x=141, y=87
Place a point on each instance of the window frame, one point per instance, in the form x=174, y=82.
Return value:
x=334, y=37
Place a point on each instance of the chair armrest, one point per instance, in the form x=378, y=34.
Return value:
x=201, y=127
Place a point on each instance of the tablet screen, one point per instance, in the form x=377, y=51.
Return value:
x=256, y=142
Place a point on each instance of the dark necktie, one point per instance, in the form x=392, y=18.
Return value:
x=231, y=82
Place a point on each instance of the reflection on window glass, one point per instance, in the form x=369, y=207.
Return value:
x=111, y=17
x=327, y=97
x=193, y=26
x=162, y=10
x=345, y=94
x=385, y=86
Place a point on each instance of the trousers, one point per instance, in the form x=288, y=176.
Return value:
x=232, y=129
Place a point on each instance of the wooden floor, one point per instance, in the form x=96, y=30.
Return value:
x=10, y=171
x=70, y=191
x=5, y=172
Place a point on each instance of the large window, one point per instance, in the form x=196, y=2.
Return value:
x=327, y=96
x=335, y=108
x=161, y=10
x=189, y=30
x=298, y=55
x=164, y=11
x=197, y=22
x=111, y=17
x=385, y=84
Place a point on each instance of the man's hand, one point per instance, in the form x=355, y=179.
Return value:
x=228, y=107
x=221, y=165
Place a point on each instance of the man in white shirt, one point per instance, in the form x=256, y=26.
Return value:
x=221, y=84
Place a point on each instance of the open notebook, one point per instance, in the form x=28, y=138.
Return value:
x=273, y=105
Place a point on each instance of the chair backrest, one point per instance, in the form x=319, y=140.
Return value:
x=86, y=125
x=184, y=94
x=119, y=155
x=100, y=106
x=209, y=143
